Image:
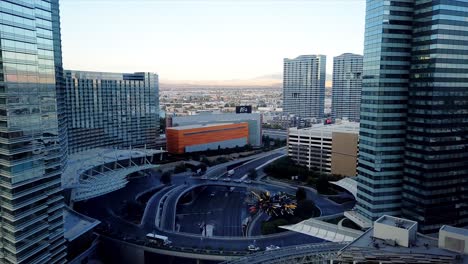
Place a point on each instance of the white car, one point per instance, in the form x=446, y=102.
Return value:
x=271, y=247
x=204, y=178
x=253, y=248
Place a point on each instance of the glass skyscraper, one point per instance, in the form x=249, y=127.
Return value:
x=304, y=86
x=347, y=85
x=117, y=110
x=414, y=113
x=32, y=133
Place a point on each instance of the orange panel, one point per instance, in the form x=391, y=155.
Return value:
x=178, y=139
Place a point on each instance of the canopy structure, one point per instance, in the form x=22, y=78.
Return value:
x=348, y=184
x=96, y=172
x=324, y=230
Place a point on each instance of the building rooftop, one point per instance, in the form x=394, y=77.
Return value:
x=199, y=126
x=397, y=222
x=140, y=76
x=76, y=224
x=423, y=249
x=456, y=230
x=327, y=130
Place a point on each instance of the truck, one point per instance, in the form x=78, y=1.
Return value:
x=158, y=239
x=230, y=173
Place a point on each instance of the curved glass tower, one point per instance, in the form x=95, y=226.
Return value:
x=32, y=133
x=414, y=113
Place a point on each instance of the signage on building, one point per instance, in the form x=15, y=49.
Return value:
x=244, y=109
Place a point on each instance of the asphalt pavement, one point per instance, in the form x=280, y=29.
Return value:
x=104, y=207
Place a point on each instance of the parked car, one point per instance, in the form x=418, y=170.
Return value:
x=253, y=248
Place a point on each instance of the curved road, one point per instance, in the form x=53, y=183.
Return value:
x=104, y=208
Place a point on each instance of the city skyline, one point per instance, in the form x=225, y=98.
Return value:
x=207, y=41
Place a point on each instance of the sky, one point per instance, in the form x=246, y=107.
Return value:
x=206, y=40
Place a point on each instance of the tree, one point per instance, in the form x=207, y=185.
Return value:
x=268, y=228
x=162, y=125
x=180, y=168
x=266, y=141
x=205, y=160
x=322, y=185
x=166, y=177
x=203, y=167
x=252, y=174
x=301, y=194
x=305, y=209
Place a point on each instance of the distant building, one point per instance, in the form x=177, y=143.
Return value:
x=304, y=86
x=395, y=240
x=193, y=138
x=326, y=148
x=117, y=110
x=285, y=121
x=347, y=85
x=254, y=122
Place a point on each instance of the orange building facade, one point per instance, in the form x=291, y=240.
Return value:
x=203, y=137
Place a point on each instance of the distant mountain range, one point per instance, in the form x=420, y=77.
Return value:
x=274, y=80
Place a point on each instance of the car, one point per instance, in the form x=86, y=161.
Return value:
x=271, y=247
x=227, y=179
x=238, y=181
x=253, y=248
x=248, y=181
x=204, y=178
x=212, y=194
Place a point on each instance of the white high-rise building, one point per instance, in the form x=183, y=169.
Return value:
x=347, y=85
x=304, y=86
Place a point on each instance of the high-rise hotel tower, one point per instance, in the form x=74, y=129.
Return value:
x=32, y=132
x=414, y=112
x=304, y=86
x=347, y=85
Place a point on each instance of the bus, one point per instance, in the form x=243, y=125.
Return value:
x=164, y=240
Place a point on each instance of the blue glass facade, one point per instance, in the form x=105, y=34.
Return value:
x=347, y=85
x=383, y=106
x=32, y=132
x=304, y=86
x=115, y=110
x=435, y=183
x=414, y=114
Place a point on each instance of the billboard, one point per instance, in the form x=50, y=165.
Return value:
x=244, y=109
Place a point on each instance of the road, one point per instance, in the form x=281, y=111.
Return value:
x=105, y=207
x=210, y=208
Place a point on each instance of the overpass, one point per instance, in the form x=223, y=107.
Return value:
x=311, y=253
x=159, y=217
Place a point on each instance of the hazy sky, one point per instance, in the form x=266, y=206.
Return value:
x=206, y=40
